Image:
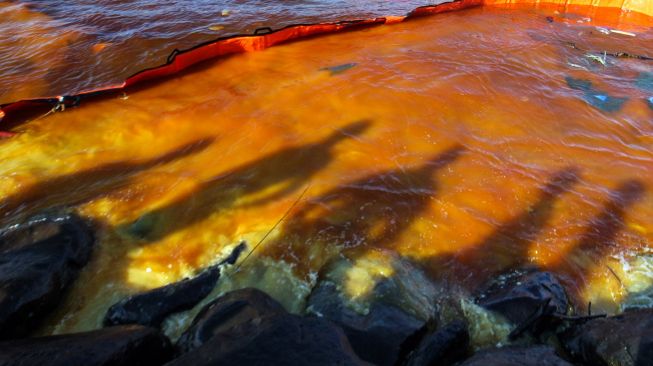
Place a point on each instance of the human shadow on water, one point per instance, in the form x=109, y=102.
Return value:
x=85, y=185
x=598, y=240
x=507, y=246
x=280, y=173
x=370, y=212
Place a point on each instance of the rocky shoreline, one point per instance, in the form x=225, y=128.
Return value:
x=39, y=260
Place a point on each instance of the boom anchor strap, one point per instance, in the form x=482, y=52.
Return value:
x=66, y=101
x=60, y=104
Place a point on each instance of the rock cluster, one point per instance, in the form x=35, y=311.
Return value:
x=397, y=320
x=39, y=260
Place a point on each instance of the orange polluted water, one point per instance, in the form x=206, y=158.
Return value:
x=60, y=47
x=467, y=142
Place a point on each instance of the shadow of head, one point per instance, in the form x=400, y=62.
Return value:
x=446, y=157
x=627, y=193
x=561, y=181
x=180, y=152
x=352, y=130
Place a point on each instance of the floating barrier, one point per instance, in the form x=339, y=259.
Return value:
x=628, y=12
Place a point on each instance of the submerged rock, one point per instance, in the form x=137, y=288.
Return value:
x=644, y=81
x=39, y=260
x=142, y=227
x=443, y=347
x=624, y=340
x=517, y=356
x=120, y=345
x=280, y=340
x=528, y=298
x=595, y=97
x=150, y=308
x=245, y=308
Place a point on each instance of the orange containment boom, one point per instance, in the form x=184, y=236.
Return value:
x=638, y=12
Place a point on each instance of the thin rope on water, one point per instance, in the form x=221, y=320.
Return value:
x=285, y=215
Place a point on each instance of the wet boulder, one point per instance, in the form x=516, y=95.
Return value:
x=377, y=336
x=280, y=340
x=379, y=299
x=39, y=260
x=115, y=346
x=529, y=298
x=517, y=356
x=150, y=308
x=240, y=308
x=625, y=339
x=443, y=347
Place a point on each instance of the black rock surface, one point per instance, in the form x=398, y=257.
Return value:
x=150, y=308
x=116, y=346
x=624, y=340
x=529, y=298
x=443, y=347
x=240, y=308
x=281, y=340
x=39, y=260
x=377, y=336
x=517, y=356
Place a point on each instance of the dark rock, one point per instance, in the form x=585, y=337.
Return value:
x=39, y=260
x=384, y=303
x=115, y=346
x=240, y=308
x=442, y=347
x=235, y=254
x=624, y=340
x=281, y=340
x=517, y=356
x=528, y=298
x=376, y=337
x=150, y=308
